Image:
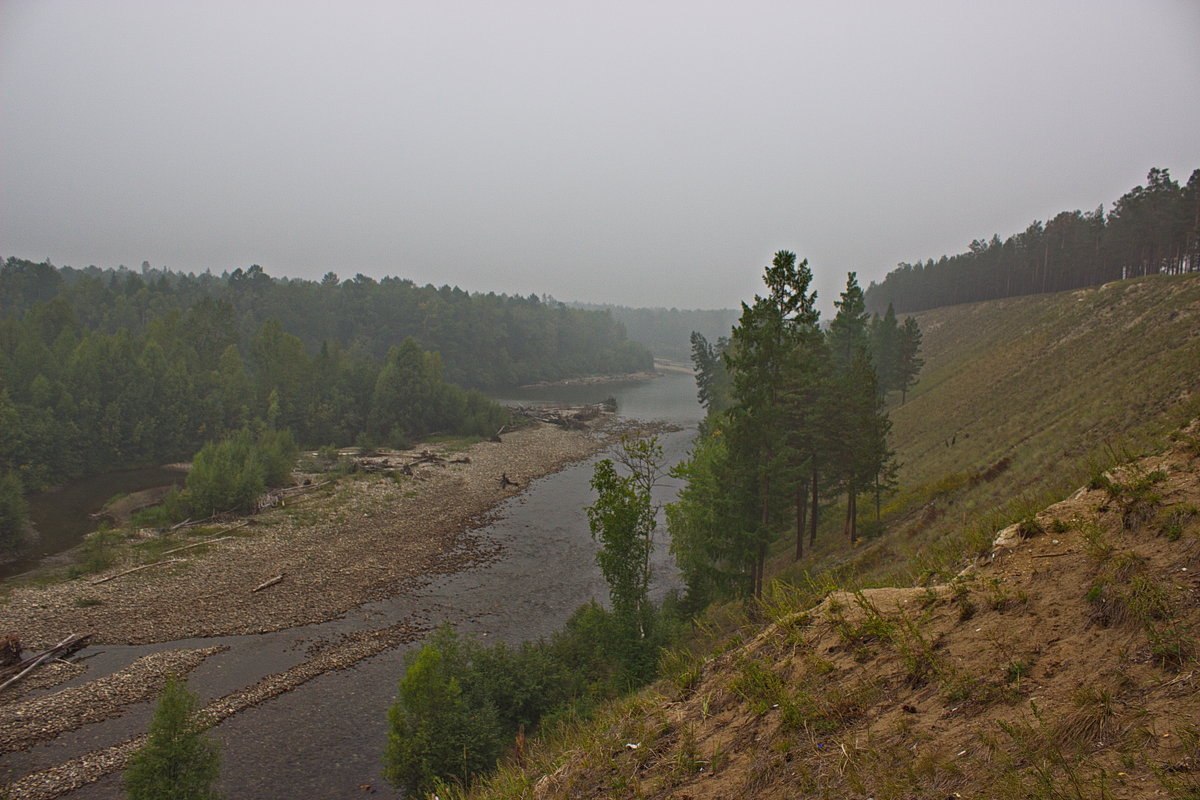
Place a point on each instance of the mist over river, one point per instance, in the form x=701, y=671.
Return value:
x=325, y=738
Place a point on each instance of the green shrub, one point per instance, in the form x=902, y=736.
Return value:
x=98, y=551
x=438, y=727
x=178, y=761
x=230, y=475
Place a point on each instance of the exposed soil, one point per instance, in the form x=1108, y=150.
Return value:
x=1064, y=664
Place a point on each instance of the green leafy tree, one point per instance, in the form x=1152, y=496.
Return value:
x=623, y=520
x=230, y=475
x=712, y=550
x=439, y=727
x=178, y=761
x=225, y=476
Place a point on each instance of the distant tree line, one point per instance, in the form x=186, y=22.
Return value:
x=108, y=369
x=666, y=331
x=484, y=340
x=1151, y=230
x=795, y=419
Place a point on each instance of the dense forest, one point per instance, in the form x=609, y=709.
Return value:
x=796, y=419
x=1152, y=229
x=101, y=369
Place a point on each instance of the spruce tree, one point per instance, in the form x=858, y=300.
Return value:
x=178, y=762
x=910, y=359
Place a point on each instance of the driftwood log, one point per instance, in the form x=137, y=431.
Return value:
x=269, y=583
x=57, y=652
x=139, y=569
x=570, y=417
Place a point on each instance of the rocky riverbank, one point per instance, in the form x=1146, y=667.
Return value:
x=363, y=538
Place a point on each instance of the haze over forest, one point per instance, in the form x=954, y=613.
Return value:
x=337, y=409
x=639, y=154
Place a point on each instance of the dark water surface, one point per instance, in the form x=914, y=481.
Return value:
x=62, y=516
x=325, y=739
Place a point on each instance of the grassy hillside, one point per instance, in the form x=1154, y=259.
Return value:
x=1020, y=401
x=1049, y=377
x=1054, y=661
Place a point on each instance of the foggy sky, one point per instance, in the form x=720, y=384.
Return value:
x=643, y=153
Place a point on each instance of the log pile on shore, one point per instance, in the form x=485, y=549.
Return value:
x=569, y=417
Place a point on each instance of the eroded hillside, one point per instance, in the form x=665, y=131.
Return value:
x=1063, y=664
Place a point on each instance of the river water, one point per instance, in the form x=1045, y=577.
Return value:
x=325, y=739
x=63, y=516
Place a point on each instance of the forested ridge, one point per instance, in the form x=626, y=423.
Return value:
x=101, y=369
x=1150, y=230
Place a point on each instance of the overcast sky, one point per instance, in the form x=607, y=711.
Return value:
x=643, y=153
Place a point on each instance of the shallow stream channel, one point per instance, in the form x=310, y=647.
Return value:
x=325, y=737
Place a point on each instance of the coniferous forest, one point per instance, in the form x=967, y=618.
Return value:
x=101, y=369
x=796, y=418
x=1151, y=230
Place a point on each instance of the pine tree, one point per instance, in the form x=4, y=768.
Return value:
x=885, y=350
x=178, y=761
x=860, y=426
x=909, y=356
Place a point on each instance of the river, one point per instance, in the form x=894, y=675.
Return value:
x=325, y=738
x=64, y=515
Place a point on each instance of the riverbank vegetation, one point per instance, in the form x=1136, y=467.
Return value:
x=103, y=369
x=1150, y=230
x=462, y=704
x=179, y=760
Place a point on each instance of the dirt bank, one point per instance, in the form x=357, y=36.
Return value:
x=362, y=539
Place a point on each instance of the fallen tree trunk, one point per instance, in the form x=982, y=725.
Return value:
x=137, y=569
x=64, y=648
x=216, y=538
x=267, y=584
x=197, y=544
